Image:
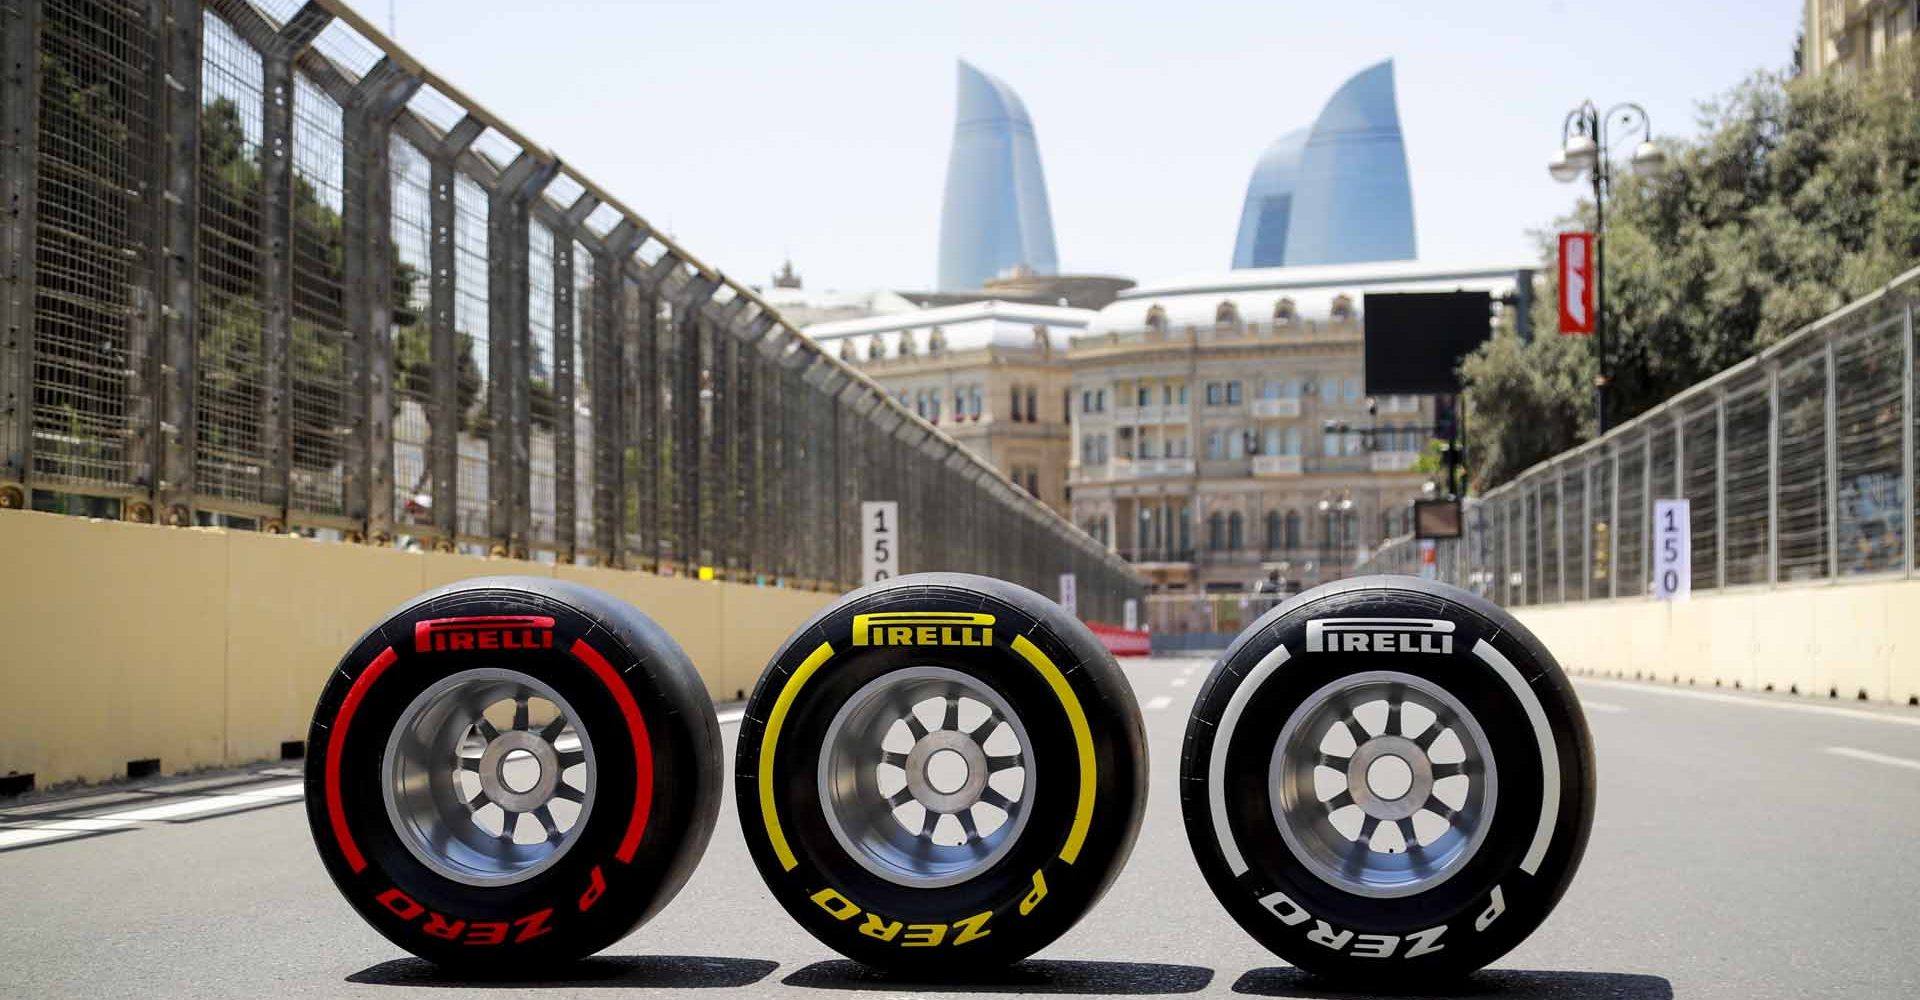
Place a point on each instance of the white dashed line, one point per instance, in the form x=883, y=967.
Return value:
x=1753, y=701
x=1158, y=703
x=1877, y=758
x=199, y=805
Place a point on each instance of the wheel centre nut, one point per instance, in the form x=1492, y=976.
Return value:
x=920, y=763
x=493, y=765
x=1372, y=801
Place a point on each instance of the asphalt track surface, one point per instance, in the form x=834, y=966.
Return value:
x=1747, y=846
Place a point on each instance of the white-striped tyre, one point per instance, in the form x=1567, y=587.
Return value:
x=1387, y=778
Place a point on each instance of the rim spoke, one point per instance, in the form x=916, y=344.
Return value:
x=1440, y=809
x=552, y=733
x=568, y=758
x=1396, y=699
x=1354, y=728
x=478, y=802
x=986, y=727
x=965, y=816
x=951, y=720
x=915, y=727
x=466, y=763
x=508, y=825
x=1407, y=833
x=1365, y=840
x=545, y=816
x=1004, y=762
x=1432, y=734
x=894, y=758
x=991, y=796
x=1337, y=763
x=487, y=732
x=1340, y=800
x=928, y=819
x=1448, y=770
x=899, y=798
x=520, y=711
x=568, y=792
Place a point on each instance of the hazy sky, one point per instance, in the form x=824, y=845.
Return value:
x=755, y=130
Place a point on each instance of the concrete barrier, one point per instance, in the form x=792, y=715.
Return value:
x=1837, y=640
x=203, y=647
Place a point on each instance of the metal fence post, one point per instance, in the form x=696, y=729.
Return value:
x=20, y=23
x=509, y=455
x=1720, y=489
x=566, y=539
x=1773, y=472
x=1906, y=437
x=1830, y=431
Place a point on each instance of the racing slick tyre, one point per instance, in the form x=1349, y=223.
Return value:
x=512, y=771
x=941, y=772
x=1386, y=779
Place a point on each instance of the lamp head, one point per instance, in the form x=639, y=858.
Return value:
x=1649, y=160
x=1562, y=171
x=1582, y=152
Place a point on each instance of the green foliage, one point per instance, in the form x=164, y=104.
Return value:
x=1801, y=195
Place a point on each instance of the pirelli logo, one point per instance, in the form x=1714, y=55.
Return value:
x=923, y=628
x=440, y=635
x=1379, y=635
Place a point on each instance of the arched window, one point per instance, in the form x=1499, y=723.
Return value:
x=1042, y=342
x=1350, y=531
x=1293, y=529
x=1156, y=318
x=973, y=402
x=1226, y=316
x=936, y=341
x=1033, y=405
x=1290, y=442
x=1283, y=312
x=1015, y=399
x=1274, y=529
x=905, y=349
x=846, y=349
x=1216, y=531
x=1184, y=520
x=1236, y=532
x=1271, y=443
x=920, y=404
x=1342, y=308
x=876, y=348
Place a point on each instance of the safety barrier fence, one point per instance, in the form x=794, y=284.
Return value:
x=263, y=270
x=1798, y=465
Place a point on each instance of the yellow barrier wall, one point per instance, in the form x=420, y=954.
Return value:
x=1848, y=637
x=204, y=647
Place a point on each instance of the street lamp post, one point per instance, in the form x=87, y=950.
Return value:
x=1585, y=148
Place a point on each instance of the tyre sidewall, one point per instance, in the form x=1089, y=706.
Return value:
x=590, y=896
x=854, y=910
x=1317, y=926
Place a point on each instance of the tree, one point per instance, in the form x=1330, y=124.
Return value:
x=1801, y=195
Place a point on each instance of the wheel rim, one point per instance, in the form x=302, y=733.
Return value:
x=926, y=777
x=489, y=777
x=1382, y=784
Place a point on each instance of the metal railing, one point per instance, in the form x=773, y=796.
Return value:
x=1798, y=465
x=263, y=269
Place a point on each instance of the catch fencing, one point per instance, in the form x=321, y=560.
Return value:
x=1798, y=465
x=264, y=270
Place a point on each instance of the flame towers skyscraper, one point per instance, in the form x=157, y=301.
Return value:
x=995, y=216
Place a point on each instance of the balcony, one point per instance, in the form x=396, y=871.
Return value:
x=1277, y=466
x=1275, y=409
x=1172, y=413
x=1142, y=468
x=1394, y=461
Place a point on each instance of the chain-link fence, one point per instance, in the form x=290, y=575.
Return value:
x=1797, y=465
x=262, y=269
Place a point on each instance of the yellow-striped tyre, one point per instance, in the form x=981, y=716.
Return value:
x=941, y=772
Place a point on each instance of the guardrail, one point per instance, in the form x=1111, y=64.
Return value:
x=265, y=270
x=1798, y=464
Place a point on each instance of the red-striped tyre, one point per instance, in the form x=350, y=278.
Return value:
x=512, y=769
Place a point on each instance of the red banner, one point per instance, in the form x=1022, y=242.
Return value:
x=1121, y=641
x=1576, y=283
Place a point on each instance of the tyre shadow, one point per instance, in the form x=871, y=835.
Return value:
x=1031, y=976
x=599, y=972
x=1515, y=984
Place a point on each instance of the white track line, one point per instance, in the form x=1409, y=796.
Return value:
x=1179, y=682
x=1753, y=701
x=727, y=717
x=1877, y=758
x=1158, y=703
x=196, y=806
x=1600, y=706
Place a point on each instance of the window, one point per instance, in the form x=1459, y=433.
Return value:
x=1226, y=316
x=1290, y=443
x=1183, y=394
x=936, y=341
x=1216, y=531
x=846, y=349
x=1066, y=406
x=920, y=404
x=1233, y=393
x=1283, y=312
x=1236, y=531
x=1123, y=442
x=1236, y=443
x=1342, y=307
x=1148, y=446
x=975, y=400
x=1177, y=446
x=1016, y=404
x=1086, y=401
x=1213, y=444
x=933, y=406
x=1215, y=394
x=1351, y=443
x=1293, y=529
x=1290, y=389
x=1185, y=521
x=1033, y=480
x=1144, y=395
x=1166, y=395
x=1329, y=443
x=1271, y=444
x=1100, y=400
x=1273, y=529
x=906, y=344
x=875, y=348
x=1033, y=405
x=1100, y=450
x=1269, y=389
x=1350, y=390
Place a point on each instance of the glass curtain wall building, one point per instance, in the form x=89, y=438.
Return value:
x=1335, y=193
x=995, y=218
